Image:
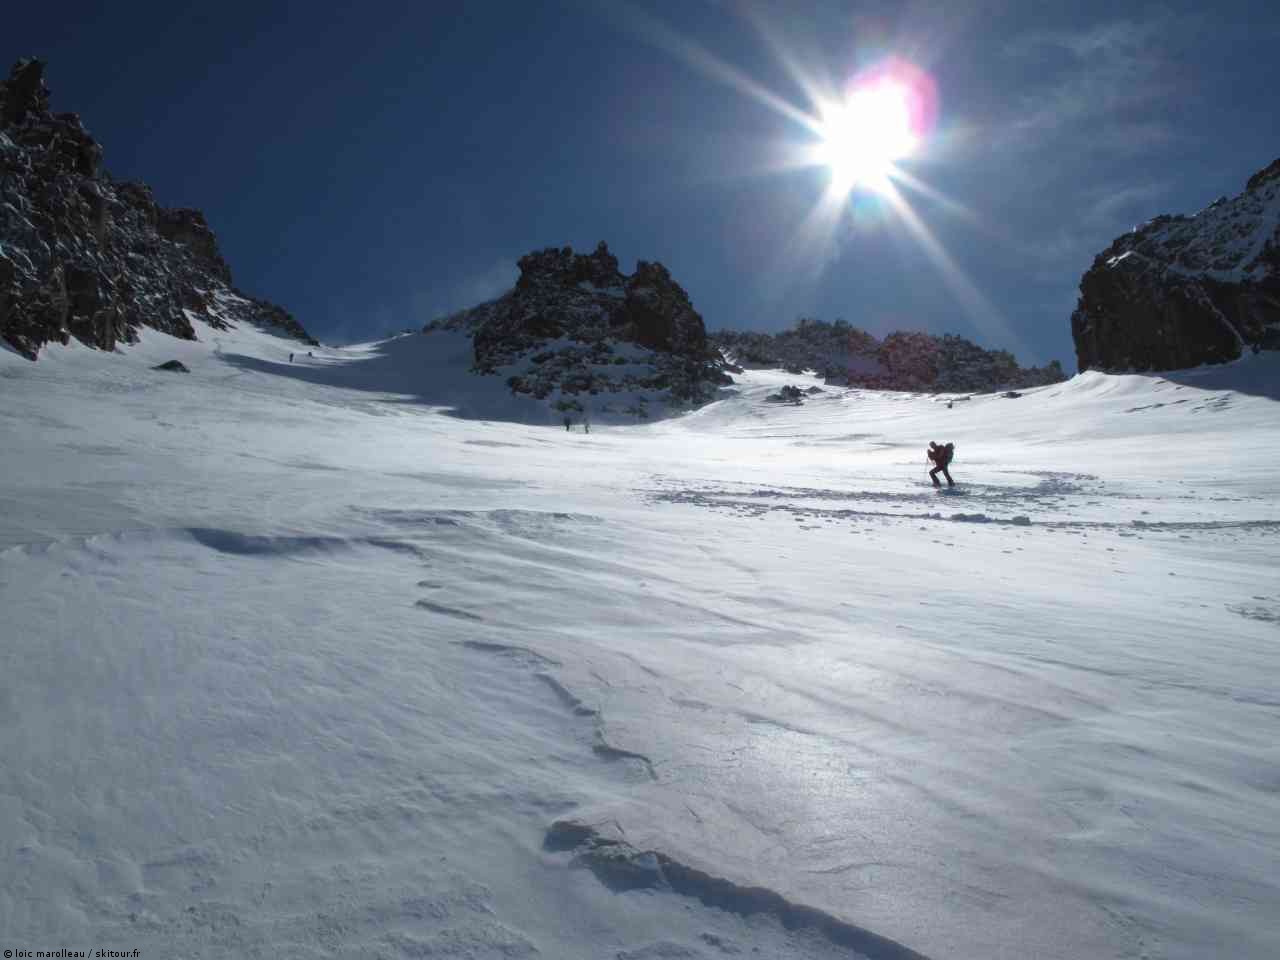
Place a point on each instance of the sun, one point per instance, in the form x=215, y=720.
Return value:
x=862, y=137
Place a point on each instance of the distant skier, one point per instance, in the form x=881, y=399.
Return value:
x=291, y=358
x=568, y=422
x=941, y=456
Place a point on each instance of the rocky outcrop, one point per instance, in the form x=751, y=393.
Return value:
x=788, y=394
x=188, y=229
x=84, y=256
x=1181, y=291
x=903, y=360
x=576, y=324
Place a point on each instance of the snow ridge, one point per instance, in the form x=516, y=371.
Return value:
x=603, y=848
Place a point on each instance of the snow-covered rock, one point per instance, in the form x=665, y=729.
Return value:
x=1180, y=291
x=575, y=325
x=84, y=256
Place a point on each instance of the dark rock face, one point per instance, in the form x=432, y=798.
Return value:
x=25, y=93
x=1181, y=291
x=85, y=256
x=596, y=315
x=189, y=229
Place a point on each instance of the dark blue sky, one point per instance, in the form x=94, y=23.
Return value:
x=373, y=168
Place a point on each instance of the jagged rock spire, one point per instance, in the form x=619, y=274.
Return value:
x=24, y=94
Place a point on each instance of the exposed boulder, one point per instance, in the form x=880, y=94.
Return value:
x=1180, y=291
x=85, y=256
x=788, y=394
x=575, y=323
x=177, y=366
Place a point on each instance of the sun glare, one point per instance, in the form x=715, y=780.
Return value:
x=864, y=136
x=861, y=131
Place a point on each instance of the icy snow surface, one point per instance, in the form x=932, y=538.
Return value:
x=359, y=656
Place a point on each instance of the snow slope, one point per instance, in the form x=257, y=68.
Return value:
x=358, y=656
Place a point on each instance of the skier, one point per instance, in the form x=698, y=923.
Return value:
x=291, y=358
x=941, y=456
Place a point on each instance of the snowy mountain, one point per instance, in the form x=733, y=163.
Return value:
x=904, y=360
x=358, y=653
x=85, y=256
x=1179, y=291
x=358, y=656
x=592, y=342
x=583, y=336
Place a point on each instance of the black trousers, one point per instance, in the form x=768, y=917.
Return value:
x=933, y=475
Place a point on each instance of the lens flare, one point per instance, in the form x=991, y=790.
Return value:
x=861, y=133
x=885, y=114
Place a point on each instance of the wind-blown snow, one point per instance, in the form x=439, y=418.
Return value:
x=361, y=656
